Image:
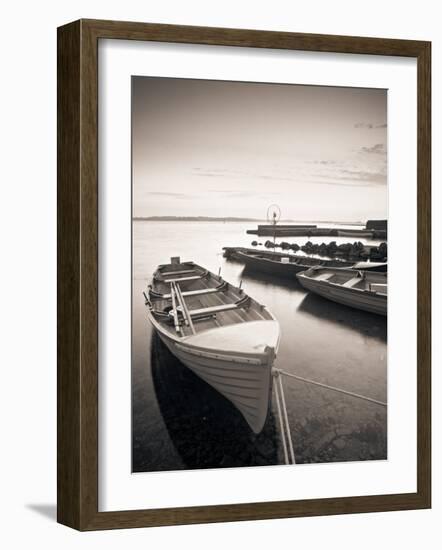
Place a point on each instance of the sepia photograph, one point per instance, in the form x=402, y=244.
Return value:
x=259, y=274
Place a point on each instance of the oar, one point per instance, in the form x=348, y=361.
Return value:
x=175, y=313
x=187, y=316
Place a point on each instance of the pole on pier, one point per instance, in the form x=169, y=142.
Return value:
x=273, y=217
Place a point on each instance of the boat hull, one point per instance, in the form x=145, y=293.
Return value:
x=269, y=263
x=371, y=302
x=271, y=267
x=245, y=381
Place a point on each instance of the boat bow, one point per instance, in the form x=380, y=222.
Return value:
x=246, y=339
x=236, y=360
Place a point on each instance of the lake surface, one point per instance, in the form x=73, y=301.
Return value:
x=179, y=422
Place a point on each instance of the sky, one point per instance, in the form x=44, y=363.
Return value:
x=215, y=148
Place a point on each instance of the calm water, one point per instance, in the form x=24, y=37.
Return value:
x=179, y=422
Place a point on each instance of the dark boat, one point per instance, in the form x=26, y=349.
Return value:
x=287, y=265
x=276, y=263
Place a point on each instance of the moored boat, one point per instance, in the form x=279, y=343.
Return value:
x=219, y=332
x=366, y=290
x=287, y=265
x=283, y=265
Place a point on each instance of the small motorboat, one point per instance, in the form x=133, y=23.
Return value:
x=366, y=290
x=219, y=332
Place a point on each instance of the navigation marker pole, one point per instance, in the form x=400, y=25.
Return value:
x=273, y=217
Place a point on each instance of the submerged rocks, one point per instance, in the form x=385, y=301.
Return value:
x=354, y=251
x=340, y=443
x=323, y=439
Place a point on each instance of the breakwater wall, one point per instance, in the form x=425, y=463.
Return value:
x=314, y=231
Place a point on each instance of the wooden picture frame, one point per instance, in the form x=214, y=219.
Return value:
x=77, y=227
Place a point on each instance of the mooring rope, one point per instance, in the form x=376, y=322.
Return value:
x=286, y=418
x=281, y=406
x=333, y=388
x=281, y=424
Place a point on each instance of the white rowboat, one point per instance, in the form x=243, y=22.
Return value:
x=219, y=332
x=366, y=290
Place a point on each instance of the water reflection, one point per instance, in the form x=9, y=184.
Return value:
x=179, y=422
x=204, y=427
x=290, y=283
x=367, y=324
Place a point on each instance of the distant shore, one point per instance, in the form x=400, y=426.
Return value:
x=230, y=219
x=192, y=219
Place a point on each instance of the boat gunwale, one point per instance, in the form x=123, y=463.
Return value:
x=297, y=262
x=271, y=260
x=245, y=299
x=183, y=344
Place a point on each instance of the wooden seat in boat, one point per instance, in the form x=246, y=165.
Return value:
x=182, y=279
x=213, y=309
x=379, y=288
x=196, y=292
x=324, y=276
x=182, y=272
x=352, y=282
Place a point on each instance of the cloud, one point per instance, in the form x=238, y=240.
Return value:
x=208, y=174
x=242, y=174
x=231, y=193
x=170, y=195
x=369, y=125
x=367, y=172
x=343, y=182
x=376, y=149
x=322, y=162
x=354, y=175
x=378, y=177
x=216, y=172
